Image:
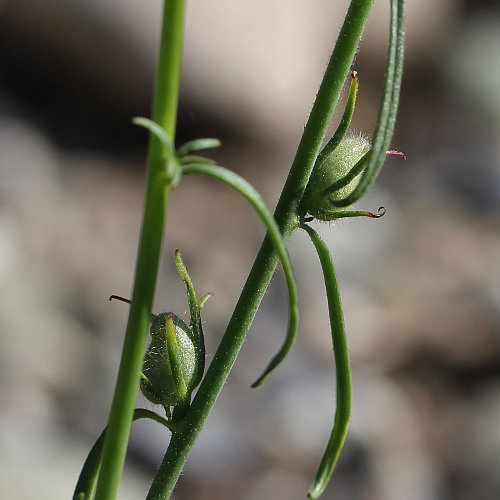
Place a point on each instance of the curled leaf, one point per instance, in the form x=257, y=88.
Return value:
x=242, y=187
x=156, y=130
x=342, y=368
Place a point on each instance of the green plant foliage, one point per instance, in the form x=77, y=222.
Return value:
x=342, y=368
x=175, y=358
x=322, y=184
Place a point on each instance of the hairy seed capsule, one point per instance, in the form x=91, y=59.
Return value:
x=175, y=358
x=335, y=166
x=170, y=364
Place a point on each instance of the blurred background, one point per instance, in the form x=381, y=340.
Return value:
x=420, y=287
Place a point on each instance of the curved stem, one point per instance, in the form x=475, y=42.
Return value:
x=150, y=243
x=267, y=259
x=342, y=368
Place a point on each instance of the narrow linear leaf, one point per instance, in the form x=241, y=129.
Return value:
x=344, y=123
x=342, y=368
x=195, y=317
x=197, y=145
x=242, y=187
x=191, y=294
x=156, y=130
x=174, y=357
x=205, y=297
x=190, y=159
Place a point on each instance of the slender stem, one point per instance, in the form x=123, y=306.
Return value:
x=265, y=263
x=150, y=243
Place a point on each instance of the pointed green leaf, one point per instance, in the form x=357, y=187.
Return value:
x=156, y=130
x=345, y=121
x=195, y=321
x=197, y=145
x=174, y=357
x=191, y=159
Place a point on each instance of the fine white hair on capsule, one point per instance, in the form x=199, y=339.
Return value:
x=364, y=139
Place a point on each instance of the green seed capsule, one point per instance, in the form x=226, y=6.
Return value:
x=175, y=358
x=339, y=163
x=170, y=364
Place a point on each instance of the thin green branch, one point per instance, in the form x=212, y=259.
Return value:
x=150, y=243
x=342, y=369
x=286, y=215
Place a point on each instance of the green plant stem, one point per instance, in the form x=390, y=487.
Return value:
x=265, y=263
x=150, y=244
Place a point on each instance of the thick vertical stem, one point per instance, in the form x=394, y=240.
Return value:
x=150, y=244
